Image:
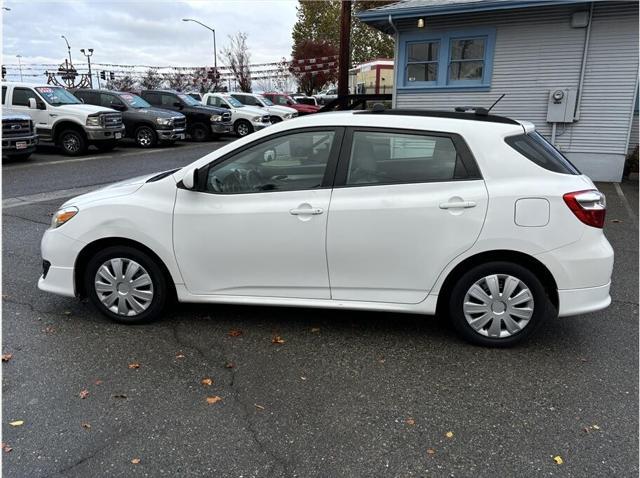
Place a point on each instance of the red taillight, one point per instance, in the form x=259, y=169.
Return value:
x=588, y=206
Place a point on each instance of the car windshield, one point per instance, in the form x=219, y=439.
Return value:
x=134, y=101
x=56, y=96
x=233, y=102
x=265, y=101
x=189, y=100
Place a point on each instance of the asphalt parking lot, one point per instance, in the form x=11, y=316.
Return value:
x=341, y=393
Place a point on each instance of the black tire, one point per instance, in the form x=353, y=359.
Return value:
x=158, y=288
x=275, y=119
x=200, y=132
x=242, y=128
x=542, y=307
x=73, y=142
x=104, y=146
x=145, y=137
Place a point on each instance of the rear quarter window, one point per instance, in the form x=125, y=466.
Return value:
x=535, y=148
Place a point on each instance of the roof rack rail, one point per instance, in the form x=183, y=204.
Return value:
x=465, y=115
x=479, y=110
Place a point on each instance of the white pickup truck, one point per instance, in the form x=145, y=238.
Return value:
x=62, y=119
x=246, y=119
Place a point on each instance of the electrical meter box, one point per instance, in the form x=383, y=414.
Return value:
x=562, y=105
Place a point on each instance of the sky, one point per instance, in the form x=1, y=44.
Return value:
x=144, y=32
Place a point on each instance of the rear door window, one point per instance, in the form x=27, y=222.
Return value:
x=535, y=148
x=394, y=157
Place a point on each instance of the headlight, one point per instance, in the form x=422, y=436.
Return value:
x=287, y=115
x=164, y=121
x=93, y=121
x=215, y=118
x=256, y=119
x=63, y=215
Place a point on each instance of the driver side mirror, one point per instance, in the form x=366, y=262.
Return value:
x=33, y=105
x=190, y=179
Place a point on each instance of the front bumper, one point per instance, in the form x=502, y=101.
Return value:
x=221, y=128
x=96, y=133
x=59, y=253
x=257, y=126
x=170, y=134
x=22, y=145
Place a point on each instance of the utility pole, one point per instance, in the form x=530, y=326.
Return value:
x=68, y=48
x=345, y=48
x=20, y=65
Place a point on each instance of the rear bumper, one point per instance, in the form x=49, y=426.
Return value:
x=581, y=301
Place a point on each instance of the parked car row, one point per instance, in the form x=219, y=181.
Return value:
x=73, y=120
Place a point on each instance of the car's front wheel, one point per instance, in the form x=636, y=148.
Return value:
x=73, y=142
x=498, y=304
x=126, y=285
x=200, y=132
x=145, y=137
x=243, y=128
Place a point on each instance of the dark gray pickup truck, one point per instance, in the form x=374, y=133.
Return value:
x=19, y=138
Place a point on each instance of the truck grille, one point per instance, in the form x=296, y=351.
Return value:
x=112, y=120
x=16, y=128
x=179, y=123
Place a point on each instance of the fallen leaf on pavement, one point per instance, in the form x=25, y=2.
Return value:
x=6, y=448
x=134, y=365
x=16, y=423
x=135, y=461
x=206, y=382
x=315, y=330
x=260, y=407
x=410, y=421
x=214, y=399
x=595, y=427
x=277, y=340
x=84, y=393
x=6, y=357
x=229, y=365
x=179, y=355
x=303, y=378
x=381, y=359
x=235, y=333
x=49, y=329
x=85, y=425
x=431, y=451
x=558, y=459
x=98, y=382
x=67, y=312
x=449, y=434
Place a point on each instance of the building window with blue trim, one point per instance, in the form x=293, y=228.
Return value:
x=466, y=60
x=461, y=59
x=422, y=61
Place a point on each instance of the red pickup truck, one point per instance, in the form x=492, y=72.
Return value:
x=283, y=99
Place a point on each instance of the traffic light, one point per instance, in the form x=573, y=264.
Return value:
x=112, y=76
x=4, y=71
x=102, y=75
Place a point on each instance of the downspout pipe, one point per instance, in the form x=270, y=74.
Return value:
x=583, y=66
x=396, y=62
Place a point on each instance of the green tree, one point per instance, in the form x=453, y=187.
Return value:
x=320, y=22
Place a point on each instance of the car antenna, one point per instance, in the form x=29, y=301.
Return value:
x=496, y=102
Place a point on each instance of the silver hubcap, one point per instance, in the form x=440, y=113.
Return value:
x=145, y=137
x=71, y=143
x=498, y=306
x=243, y=129
x=124, y=286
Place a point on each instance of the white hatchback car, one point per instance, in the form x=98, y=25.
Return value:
x=477, y=217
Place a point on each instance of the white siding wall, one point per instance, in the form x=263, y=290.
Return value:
x=536, y=51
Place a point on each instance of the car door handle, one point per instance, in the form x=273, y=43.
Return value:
x=457, y=205
x=306, y=210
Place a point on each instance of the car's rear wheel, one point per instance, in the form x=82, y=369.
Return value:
x=498, y=304
x=243, y=128
x=145, y=137
x=126, y=285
